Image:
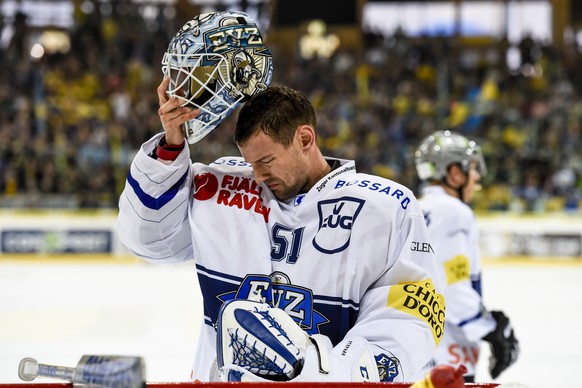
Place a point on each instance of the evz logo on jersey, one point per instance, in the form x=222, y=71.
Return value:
x=275, y=290
x=387, y=367
x=336, y=218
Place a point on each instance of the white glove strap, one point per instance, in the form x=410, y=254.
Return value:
x=350, y=361
x=322, y=347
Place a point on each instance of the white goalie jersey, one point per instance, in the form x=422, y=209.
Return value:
x=350, y=258
x=455, y=239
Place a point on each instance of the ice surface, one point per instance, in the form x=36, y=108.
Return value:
x=56, y=312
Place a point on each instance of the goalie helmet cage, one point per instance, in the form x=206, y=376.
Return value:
x=246, y=385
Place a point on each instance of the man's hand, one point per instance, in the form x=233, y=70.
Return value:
x=504, y=345
x=173, y=115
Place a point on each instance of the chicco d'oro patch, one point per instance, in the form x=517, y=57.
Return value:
x=457, y=269
x=422, y=301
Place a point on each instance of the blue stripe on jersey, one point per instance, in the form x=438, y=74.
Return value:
x=216, y=273
x=151, y=202
x=479, y=315
x=333, y=299
x=476, y=283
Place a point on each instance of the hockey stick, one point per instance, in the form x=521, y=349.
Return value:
x=29, y=369
x=94, y=370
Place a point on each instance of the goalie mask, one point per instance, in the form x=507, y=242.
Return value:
x=441, y=149
x=216, y=61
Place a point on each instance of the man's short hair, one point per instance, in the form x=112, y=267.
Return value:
x=277, y=111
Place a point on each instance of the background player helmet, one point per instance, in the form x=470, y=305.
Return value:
x=438, y=151
x=216, y=61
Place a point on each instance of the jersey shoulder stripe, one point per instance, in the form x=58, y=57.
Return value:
x=153, y=202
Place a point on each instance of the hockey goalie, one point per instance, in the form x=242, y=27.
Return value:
x=309, y=270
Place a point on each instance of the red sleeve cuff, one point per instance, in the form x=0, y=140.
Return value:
x=168, y=152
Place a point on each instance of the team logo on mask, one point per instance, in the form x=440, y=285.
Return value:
x=336, y=218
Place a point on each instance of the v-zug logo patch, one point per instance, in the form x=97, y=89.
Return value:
x=336, y=218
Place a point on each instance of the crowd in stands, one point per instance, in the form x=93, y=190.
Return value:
x=71, y=122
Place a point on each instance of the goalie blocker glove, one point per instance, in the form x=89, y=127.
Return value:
x=504, y=345
x=258, y=343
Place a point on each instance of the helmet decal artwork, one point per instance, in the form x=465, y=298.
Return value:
x=439, y=150
x=215, y=62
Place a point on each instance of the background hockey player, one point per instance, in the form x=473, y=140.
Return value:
x=345, y=256
x=452, y=166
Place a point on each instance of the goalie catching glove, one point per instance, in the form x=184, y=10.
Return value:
x=259, y=343
x=504, y=345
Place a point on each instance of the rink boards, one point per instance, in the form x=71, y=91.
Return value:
x=249, y=385
x=90, y=233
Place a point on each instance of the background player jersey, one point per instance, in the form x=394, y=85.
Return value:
x=349, y=258
x=455, y=238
